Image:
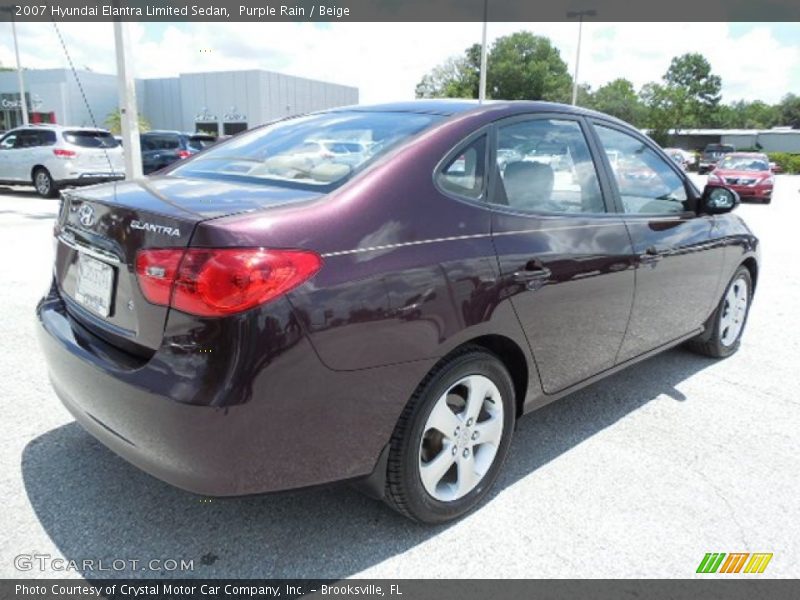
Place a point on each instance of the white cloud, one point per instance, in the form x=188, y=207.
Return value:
x=386, y=60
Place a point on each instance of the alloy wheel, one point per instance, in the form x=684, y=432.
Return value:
x=42, y=181
x=734, y=311
x=461, y=438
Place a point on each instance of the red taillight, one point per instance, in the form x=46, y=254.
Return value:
x=183, y=154
x=218, y=282
x=61, y=153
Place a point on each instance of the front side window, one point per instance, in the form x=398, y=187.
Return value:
x=646, y=182
x=463, y=174
x=545, y=166
x=316, y=151
x=8, y=141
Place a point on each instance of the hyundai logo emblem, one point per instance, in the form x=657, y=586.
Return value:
x=86, y=215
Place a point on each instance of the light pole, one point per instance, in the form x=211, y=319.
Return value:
x=23, y=105
x=128, y=114
x=580, y=14
x=482, y=86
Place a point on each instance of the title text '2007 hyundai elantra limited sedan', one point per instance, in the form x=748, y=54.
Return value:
x=376, y=294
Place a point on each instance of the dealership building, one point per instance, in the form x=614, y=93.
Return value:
x=222, y=102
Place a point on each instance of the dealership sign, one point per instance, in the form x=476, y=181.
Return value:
x=13, y=102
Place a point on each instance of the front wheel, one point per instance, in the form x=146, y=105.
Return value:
x=44, y=184
x=729, y=318
x=452, y=438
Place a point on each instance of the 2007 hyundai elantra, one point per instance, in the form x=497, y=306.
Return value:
x=376, y=294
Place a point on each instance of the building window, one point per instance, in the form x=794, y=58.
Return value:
x=233, y=128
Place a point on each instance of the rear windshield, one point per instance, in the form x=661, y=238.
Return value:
x=315, y=151
x=91, y=139
x=160, y=142
x=200, y=142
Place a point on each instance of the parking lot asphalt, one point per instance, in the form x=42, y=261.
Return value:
x=638, y=475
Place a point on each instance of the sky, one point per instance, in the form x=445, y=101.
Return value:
x=386, y=60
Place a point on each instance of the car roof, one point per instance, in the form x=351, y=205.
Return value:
x=56, y=127
x=162, y=132
x=451, y=106
x=746, y=155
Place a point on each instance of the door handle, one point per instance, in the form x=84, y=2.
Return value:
x=533, y=273
x=651, y=255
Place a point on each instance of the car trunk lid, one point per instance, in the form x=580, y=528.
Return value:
x=101, y=229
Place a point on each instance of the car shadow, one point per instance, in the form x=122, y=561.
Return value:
x=94, y=505
x=22, y=193
x=28, y=215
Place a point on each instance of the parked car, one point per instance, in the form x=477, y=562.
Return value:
x=162, y=148
x=51, y=157
x=710, y=157
x=681, y=157
x=239, y=324
x=749, y=173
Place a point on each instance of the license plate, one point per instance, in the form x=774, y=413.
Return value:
x=95, y=284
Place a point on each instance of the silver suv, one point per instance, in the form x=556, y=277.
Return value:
x=50, y=157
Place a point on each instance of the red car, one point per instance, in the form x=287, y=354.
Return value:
x=748, y=173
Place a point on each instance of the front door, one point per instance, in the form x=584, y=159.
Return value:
x=564, y=256
x=678, y=267
x=7, y=157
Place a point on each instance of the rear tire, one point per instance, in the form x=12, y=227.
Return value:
x=44, y=184
x=729, y=318
x=452, y=438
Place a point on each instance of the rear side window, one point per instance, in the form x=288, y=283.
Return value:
x=90, y=139
x=34, y=138
x=463, y=175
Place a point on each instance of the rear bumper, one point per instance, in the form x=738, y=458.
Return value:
x=304, y=424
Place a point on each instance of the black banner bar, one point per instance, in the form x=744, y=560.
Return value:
x=399, y=10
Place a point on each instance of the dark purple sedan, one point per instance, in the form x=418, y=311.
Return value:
x=376, y=294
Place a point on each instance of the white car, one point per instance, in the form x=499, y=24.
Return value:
x=50, y=157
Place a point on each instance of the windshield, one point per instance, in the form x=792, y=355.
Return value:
x=718, y=148
x=744, y=163
x=91, y=139
x=315, y=150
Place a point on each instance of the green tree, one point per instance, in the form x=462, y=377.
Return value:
x=789, y=111
x=619, y=99
x=520, y=66
x=661, y=109
x=114, y=122
x=747, y=115
x=523, y=66
x=695, y=90
x=457, y=77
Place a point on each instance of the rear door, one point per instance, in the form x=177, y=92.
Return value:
x=677, y=265
x=564, y=254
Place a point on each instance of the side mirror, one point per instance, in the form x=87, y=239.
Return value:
x=718, y=199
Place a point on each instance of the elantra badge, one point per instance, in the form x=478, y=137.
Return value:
x=86, y=215
x=162, y=229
